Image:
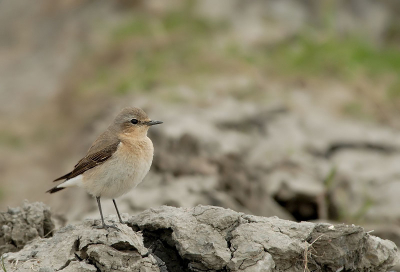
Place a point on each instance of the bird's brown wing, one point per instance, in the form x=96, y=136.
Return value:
x=91, y=160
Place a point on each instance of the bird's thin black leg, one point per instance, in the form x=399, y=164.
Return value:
x=119, y=216
x=104, y=226
x=101, y=212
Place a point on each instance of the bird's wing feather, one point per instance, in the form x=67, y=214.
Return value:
x=91, y=160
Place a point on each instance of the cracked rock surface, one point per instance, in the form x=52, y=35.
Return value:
x=83, y=247
x=206, y=238
x=18, y=225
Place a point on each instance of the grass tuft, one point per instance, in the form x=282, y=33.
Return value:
x=3, y=266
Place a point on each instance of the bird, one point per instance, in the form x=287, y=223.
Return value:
x=117, y=161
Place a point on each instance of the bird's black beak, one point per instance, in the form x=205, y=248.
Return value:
x=153, y=122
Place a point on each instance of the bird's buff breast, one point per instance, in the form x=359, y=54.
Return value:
x=122, y=172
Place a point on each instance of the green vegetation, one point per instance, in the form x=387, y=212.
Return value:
x=137, y=26
x=333, y=57
x=10, y=139
x=341, y=213
x=169, y=49
x=147, y=53
x=356, y=109
x=357, y=216
x=393, y=92
x=338, y=57
x=330, y=178
x=3, y=266
x=366, y=206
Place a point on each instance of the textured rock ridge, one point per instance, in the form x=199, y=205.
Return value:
x=206, y=238
x=18, y=225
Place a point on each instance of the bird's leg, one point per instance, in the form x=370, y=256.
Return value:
x=101, y=212
x=104, y=226
x=119, y=216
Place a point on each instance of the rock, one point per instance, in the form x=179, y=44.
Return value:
x=18, y=226
x=82, y=247
x=205, y=238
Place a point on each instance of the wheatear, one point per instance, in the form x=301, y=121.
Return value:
x=117, y=161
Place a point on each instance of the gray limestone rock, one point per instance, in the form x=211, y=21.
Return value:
x=205, y=238
x=83, y=247
x=18, y=226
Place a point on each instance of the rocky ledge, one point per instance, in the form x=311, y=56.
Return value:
x=205, y=238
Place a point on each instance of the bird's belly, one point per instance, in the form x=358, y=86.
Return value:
x=115, y=177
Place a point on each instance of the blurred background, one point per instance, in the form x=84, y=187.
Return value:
x=270, y=107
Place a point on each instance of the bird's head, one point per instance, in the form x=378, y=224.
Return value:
x=133, y=122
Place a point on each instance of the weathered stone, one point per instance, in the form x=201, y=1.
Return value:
x=18, y=226
x=205, y=238
x=260, y=243
x=82, y=247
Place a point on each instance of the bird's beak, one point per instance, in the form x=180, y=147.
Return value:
x=153, y=122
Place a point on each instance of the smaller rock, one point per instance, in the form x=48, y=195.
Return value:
x=19, y=226
x=84, y=248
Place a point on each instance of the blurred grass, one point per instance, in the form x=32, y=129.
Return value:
x=348, y=60
x=335, y=57
x=359, y=216
x=169, y=49
x=355, y=109
x=10, y=140
x=3, y=266
x=149, y=52
x=393, y=92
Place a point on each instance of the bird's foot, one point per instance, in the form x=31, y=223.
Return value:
x=107, y=227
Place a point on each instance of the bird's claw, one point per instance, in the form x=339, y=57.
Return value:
x=105, y=226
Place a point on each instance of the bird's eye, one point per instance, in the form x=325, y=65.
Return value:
x=134, y=121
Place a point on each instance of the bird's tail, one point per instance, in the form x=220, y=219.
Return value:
x=75, y=181
x=66, y=176
x=55, y=189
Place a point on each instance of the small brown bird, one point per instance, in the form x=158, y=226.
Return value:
x=117, y=161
